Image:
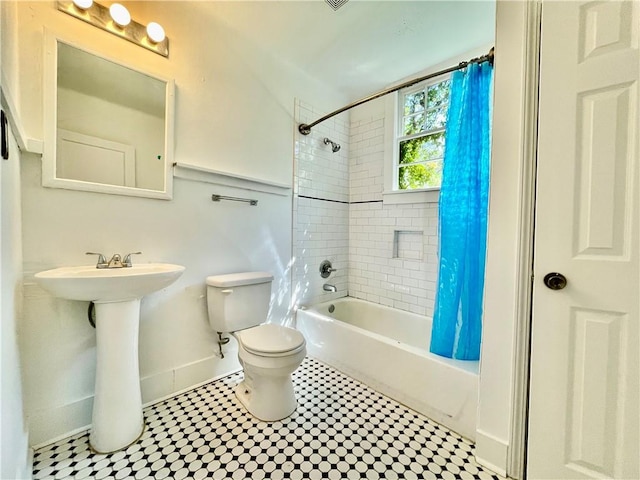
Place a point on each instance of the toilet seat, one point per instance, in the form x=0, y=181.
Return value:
x=269, y=340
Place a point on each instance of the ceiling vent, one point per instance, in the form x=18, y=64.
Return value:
x=336, y=4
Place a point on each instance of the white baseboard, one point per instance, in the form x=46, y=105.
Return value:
x=50, y=425
x=192, y=387
x=492, y=452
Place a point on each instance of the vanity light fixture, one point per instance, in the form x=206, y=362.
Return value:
x=120, y=15
x=155, y=32
x=83, y=4
x=117, y=20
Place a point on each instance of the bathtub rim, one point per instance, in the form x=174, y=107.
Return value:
x=468, y=366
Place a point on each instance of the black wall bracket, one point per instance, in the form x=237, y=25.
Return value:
x=5, y=135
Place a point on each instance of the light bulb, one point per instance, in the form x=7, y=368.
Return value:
x=83, y=4
x=155, y=32
x=120, y=14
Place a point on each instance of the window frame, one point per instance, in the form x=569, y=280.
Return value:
x=398, y=133
x=391, y=195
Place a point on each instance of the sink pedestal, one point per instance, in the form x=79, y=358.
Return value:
x=117, y=407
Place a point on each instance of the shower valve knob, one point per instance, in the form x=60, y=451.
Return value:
x=326, y=268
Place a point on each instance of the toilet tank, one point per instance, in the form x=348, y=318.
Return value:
x=238, y=300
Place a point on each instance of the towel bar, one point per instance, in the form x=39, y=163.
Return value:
x=216, y=198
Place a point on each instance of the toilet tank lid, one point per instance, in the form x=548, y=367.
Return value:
x=237, y=279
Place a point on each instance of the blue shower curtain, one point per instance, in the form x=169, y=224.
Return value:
x=457, y=319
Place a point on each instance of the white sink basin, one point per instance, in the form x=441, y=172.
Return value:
x=89, y=283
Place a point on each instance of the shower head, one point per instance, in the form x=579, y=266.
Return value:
x=334, y=146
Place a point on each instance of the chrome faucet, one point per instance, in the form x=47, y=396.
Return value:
x=329, y=288
x=115, y=262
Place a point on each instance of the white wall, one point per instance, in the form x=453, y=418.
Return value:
x=15, y=461
x=234, y=113
x=13, y=445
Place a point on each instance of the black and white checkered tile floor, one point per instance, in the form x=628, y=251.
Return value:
x=342, y=429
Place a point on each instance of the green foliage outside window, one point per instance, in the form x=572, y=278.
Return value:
x=421, y=146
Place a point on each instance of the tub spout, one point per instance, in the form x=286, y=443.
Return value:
x=329, y=288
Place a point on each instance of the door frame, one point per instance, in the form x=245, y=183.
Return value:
x=517, y=454
x=504, y=364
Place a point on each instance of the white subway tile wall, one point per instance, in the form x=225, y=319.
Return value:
x=374, y=274
x=387, y=254
x=319, y=172
x=320, y=208
x=393, y=249
x=366, y=162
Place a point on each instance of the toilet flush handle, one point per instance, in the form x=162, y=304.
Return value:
x=228, y=291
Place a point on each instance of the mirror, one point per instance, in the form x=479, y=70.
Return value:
x=107, y=126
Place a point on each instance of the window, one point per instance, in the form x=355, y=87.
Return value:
x=420, y=135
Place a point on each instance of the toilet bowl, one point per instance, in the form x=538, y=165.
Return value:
x=267, y=389
x=268, y=353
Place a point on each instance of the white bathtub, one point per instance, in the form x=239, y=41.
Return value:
x=388, y=350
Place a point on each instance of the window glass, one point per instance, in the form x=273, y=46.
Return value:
x=421, y=135
x=422, y=175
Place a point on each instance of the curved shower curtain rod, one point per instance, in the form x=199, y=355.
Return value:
x=305, y=129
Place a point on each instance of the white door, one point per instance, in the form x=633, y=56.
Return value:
x=94, y=159
x=583, y=416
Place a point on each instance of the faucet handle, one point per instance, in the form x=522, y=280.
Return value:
x=326, y=269
x=102, y=261
x=127, y=258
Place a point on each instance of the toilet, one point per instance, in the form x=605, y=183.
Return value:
x=238, y=303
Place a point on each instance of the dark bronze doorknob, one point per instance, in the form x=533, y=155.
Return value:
x=555, y=281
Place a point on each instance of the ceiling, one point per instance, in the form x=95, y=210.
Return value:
x=365, y=45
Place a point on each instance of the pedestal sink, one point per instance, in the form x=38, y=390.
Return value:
x=116, y=292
